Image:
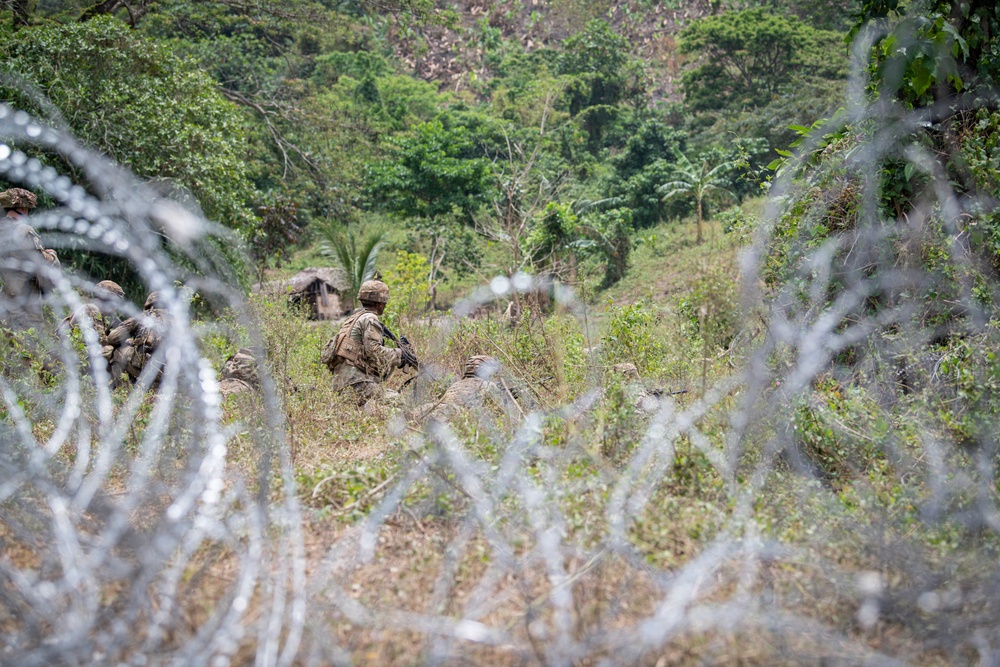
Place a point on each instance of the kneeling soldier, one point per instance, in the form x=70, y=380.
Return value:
x=357, y=355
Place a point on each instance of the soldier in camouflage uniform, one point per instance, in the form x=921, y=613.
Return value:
x=357, y=355
x=240, y=373
x=102, y=313
x=21, y=263
x=135, y=340
x=477, y=382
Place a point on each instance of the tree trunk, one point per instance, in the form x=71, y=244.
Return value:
x=22, y=12
x=698, y=240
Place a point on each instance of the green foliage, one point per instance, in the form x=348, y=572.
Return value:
x=710, y=309
x=409, y=289
x=653, y=140
x=840, y=430
x=355, y=254
x=550, y=240
x=567, y=338
x=980, y=151
x=432, y=172
x=747, y=58
x=278, y=228
x=603, y=76
x=934, y=48
x=610, y=234
x=697, y=182
x=131, y=98
x=632, y=337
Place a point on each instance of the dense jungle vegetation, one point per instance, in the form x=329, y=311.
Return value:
x=703, y=176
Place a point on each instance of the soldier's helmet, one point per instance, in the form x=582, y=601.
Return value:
x=17, y=198
x=242, y=366
x=480, y=365
x=374, y=291
x=152, y=301
x=109, y=289
x=627, y=371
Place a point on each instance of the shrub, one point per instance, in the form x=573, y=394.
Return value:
x=710, y=309
x=631, y=337
x=409, y=288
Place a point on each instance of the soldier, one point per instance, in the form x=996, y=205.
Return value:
x=135, y=340
x=19, y=242
x=477, y=380
x=240, y=373
x=102, y=313
x=357, y=355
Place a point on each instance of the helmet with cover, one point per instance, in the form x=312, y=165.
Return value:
x=18, y=198
x=109, y=289
x=373, y=291
x=481, y=366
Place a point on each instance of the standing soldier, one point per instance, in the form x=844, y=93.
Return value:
x=357, y=355
x=23, y=255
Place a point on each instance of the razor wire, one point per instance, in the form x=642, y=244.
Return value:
x=123, y=536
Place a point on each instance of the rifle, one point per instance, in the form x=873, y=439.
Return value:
x=402, y=342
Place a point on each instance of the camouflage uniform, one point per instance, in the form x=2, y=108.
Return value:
x=357, y=355
x=20, y=266
x=240, y=373
x=135, y=340
x=642, y=399
x=102, y=313
x=477, y=381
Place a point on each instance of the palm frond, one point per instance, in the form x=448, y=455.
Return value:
x=587, y=205
x=674, y=188
x=369, y=253
x=358, y=260
x=725, y=166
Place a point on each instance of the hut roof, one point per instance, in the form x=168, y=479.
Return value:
x=335, y=279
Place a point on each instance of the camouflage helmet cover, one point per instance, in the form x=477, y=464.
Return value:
x=152, y=300
x=107, y=288
x=18, y=198
x=480, y=365
x=374, y=291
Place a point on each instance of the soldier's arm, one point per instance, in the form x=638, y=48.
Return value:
x=123, y=331
x=384, y=358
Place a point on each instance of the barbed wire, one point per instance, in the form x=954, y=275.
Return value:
x=107, y=551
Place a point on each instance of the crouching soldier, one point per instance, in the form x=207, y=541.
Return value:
x=240, y=373
x=101, y=313
x=479, y=379
x=135, y=340
x=357, y=355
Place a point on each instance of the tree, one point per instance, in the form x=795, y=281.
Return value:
x=431, y=172
x=132, y=99
x=746, y=58
x=696, y=182
x=601, y=76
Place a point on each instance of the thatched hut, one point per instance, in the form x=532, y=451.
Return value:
x=325, y=290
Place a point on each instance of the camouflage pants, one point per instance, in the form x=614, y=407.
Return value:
x=370, y=395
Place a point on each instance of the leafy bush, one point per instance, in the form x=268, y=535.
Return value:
x=710, y=309
x=839, y=429
x=409, y=289
x=632, y=337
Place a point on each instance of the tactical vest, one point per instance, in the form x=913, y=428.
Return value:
x=344, y=348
